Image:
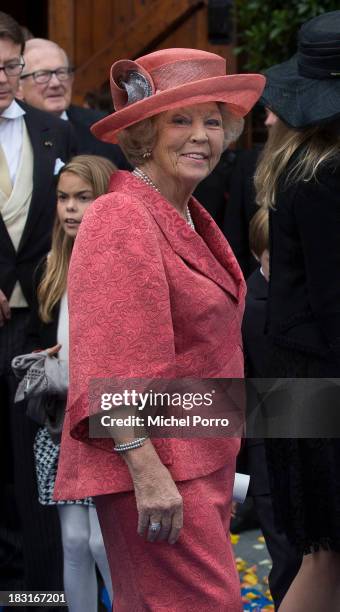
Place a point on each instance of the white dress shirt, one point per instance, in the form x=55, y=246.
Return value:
x=11, y=128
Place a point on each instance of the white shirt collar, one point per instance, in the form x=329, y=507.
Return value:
x=64, y=116
x=13, y=111
x=263, y=274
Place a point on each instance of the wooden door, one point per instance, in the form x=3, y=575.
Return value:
x=95, y=33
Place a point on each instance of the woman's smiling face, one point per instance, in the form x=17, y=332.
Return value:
x=189, y=143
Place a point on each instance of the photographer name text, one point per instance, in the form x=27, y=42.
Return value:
x=162, y=421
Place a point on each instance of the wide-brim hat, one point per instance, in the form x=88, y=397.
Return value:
x=171, y=78
x=305, y=90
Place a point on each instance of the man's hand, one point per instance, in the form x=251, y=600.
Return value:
x=5, y=311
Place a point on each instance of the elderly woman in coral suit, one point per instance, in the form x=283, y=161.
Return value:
x=155, y=292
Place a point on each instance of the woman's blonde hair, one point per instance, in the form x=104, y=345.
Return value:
x=139, y=139
x=96, y=171
x=259, y=232
x=318, y=144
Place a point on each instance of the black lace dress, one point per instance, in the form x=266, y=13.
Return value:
x=305, y=472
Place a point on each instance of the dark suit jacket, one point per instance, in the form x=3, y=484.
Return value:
x=255, y=341
x=241, y=207
x=255, y=344
x=51, y=138
x=40, y=335
x=81, y=120
x=213, y=192
x=304, y=287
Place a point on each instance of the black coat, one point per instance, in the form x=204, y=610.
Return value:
x=40, y=335
x=241, y=208
x=253, y=326
x=213, y=192
x=304, y=326
x=81, y=120
x=255, y=344
x=304, y=287
x=51, y=138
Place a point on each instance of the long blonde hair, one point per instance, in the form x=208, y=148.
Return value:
x=96, y=171
x=318, y=144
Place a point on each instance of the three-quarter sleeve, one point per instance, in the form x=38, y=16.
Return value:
x=119, y=305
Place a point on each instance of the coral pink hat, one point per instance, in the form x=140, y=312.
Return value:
x=172, y=78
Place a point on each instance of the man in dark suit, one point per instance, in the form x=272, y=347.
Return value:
x=46, y=83
x=213, y=192
x=228, y=194
x=33, y=145
x=241, y=208
x=242, y=202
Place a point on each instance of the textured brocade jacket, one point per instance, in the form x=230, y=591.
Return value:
x=148, y=297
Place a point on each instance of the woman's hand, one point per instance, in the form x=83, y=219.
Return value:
x=53, y=350
x=158, y=500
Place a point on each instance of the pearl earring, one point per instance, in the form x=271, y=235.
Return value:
x=146, y=154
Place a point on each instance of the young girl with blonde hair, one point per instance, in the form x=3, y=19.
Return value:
x=80, y=181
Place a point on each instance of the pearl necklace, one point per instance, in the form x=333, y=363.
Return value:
x=147, y=180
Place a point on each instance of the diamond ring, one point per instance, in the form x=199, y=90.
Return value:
x=154, y=527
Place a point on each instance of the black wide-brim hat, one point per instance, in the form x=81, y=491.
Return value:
x=305, y=90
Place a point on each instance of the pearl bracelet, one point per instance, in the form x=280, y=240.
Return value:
x=125, y=446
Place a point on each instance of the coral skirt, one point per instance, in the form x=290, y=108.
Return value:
x=197, y=573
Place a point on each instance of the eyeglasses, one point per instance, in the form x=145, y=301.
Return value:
x=13, y=68
x=44, y=76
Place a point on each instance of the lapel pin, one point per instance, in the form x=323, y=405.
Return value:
x=48, y=143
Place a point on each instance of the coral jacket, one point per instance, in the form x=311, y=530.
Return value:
x=148, y=297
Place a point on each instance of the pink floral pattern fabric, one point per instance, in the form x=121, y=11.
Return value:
x=198, y=573
x=148, y=297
